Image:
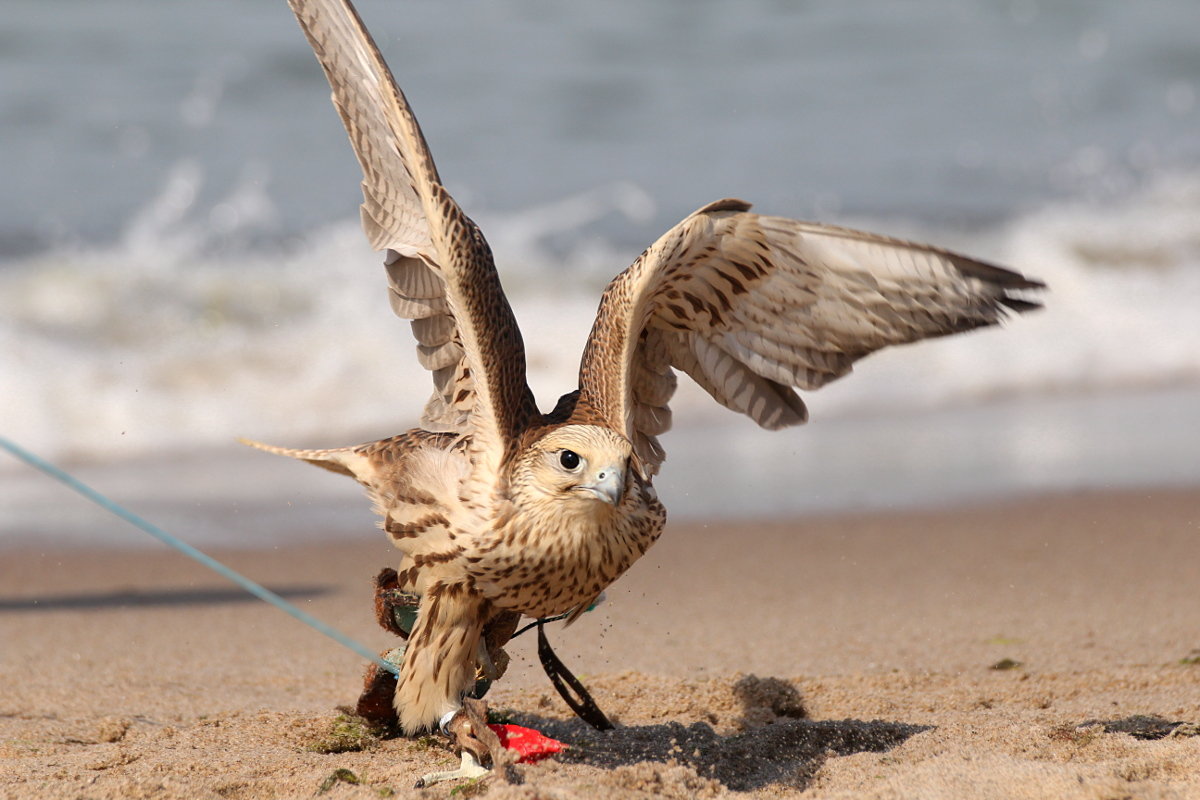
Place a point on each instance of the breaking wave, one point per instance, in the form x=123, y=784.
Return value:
x=190, y=330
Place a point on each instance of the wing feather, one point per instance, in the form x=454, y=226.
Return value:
x=752, y=307
x=440, y=270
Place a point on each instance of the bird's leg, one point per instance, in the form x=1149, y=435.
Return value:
x=477, y=749
x=476, y=742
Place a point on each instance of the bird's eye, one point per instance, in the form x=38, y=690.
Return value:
x=568, y=458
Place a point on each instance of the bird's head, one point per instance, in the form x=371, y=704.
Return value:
x=584, y=464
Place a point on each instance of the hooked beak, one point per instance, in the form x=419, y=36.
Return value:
x=608, y=486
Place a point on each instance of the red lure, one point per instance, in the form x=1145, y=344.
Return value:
x=528, y=743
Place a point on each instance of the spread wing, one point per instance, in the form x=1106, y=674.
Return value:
x=752, y=306
x=440, y=269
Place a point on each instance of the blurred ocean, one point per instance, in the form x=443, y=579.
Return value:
x=180, y=261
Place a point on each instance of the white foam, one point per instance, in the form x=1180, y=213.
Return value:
x=166, y=341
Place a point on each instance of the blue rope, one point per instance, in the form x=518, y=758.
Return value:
x=250, y=586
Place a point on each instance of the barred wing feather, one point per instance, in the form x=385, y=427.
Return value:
x=753, y=307
x=440, y=270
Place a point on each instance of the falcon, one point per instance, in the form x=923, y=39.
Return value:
x=501, y=510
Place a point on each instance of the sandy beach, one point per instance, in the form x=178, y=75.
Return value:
x=974, y=652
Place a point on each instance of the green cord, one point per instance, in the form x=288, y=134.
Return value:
x=250, y=586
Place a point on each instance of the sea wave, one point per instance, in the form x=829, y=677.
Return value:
x=190, y=331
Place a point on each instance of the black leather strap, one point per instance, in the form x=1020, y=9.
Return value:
x=565, y=683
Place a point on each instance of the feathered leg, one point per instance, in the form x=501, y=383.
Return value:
x=439, y=668
x=439, y=663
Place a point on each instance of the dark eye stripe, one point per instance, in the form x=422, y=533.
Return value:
x=568, y=458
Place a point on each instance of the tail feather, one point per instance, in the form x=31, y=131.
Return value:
x=341, y=460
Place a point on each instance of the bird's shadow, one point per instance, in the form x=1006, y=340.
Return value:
x=787, y=750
